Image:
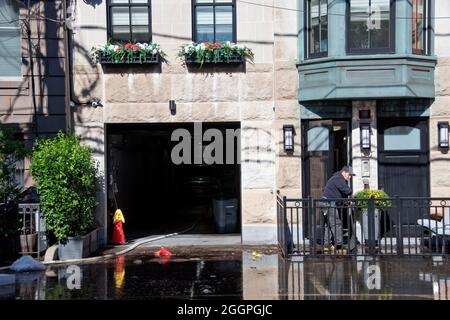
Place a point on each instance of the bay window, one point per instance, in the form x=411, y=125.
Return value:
x=421, y=27
x=370, y=26
x=316, y=18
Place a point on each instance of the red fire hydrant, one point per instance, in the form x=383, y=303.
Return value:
x=118, y=236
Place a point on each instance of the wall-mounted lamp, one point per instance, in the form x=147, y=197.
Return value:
x=443, y=134
x=172, y=106
x=365, y=136
x=288, y=138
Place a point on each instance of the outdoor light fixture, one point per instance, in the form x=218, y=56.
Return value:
x=288, y=138
x=172, y=106
x=365, y=136
x=443, y=134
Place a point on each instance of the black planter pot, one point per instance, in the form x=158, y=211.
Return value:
x=234, y=59
x=147, y=60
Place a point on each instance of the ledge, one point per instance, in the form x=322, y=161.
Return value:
x=367, y=77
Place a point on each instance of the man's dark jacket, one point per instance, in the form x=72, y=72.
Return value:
x=336, y=187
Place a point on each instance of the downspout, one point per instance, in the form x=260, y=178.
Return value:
x=67, y=96
x=33, y=85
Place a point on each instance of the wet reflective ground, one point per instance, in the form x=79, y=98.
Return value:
x=379, y=279
x=235, y=274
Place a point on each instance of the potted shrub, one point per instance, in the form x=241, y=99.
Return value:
x=379, y=202
x=214, y=52
x=66, y=180
x=128, y=53
x=12, y=151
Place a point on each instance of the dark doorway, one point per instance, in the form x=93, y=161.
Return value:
x=325, y=151
x=404, y=161
x=158, y=196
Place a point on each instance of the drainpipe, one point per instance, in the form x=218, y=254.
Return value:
x=33, y=85
x=67, y=96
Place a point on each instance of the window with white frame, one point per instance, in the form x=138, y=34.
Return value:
x=10, y=40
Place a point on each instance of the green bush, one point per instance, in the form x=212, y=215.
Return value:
x=66, y=178
x=376, y=194
x=11, y=151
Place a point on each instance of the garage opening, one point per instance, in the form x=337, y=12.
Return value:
x=158, y=195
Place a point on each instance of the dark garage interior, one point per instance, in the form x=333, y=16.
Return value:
x=159, y=197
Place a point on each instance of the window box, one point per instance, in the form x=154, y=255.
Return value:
x=128, y=53
x=215, y=53
x=235, y=58
x=133, y=60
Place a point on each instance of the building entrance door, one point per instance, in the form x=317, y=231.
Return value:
x=404, y=164
x=325, y=151
x=403, y=153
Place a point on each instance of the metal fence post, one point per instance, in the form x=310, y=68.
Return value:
x=371, y=225
x=312, y=224
x=398, y=227
x=286, y=227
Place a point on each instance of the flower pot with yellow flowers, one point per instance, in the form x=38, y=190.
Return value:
x=380, y=201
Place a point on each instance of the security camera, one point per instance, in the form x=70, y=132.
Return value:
x=96, y=103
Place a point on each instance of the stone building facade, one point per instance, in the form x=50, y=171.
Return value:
x=261, y=97
x=314, y=83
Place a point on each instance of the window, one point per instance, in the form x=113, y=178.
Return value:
x=318, y=139
x=370, y=26
x=402, y=138
x=10, y=41
x=214, y=20
x=421, y=27
x=316, y=19
x=129, y=20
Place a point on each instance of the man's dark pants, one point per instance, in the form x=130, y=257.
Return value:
x=332, y=223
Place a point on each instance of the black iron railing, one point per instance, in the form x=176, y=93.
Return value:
x=391, y=226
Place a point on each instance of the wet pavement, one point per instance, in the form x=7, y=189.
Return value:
x=234, y=273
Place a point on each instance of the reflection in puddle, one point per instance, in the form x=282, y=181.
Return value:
x=132, y=278
x=380, y=279
x=241, y=275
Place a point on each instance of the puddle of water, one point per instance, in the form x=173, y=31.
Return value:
x=240, y=275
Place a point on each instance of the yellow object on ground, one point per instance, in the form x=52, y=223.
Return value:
x=256, y=255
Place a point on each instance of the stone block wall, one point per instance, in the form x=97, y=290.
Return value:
x=261, y=96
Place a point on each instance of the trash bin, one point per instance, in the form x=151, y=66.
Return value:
x=225, y=214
